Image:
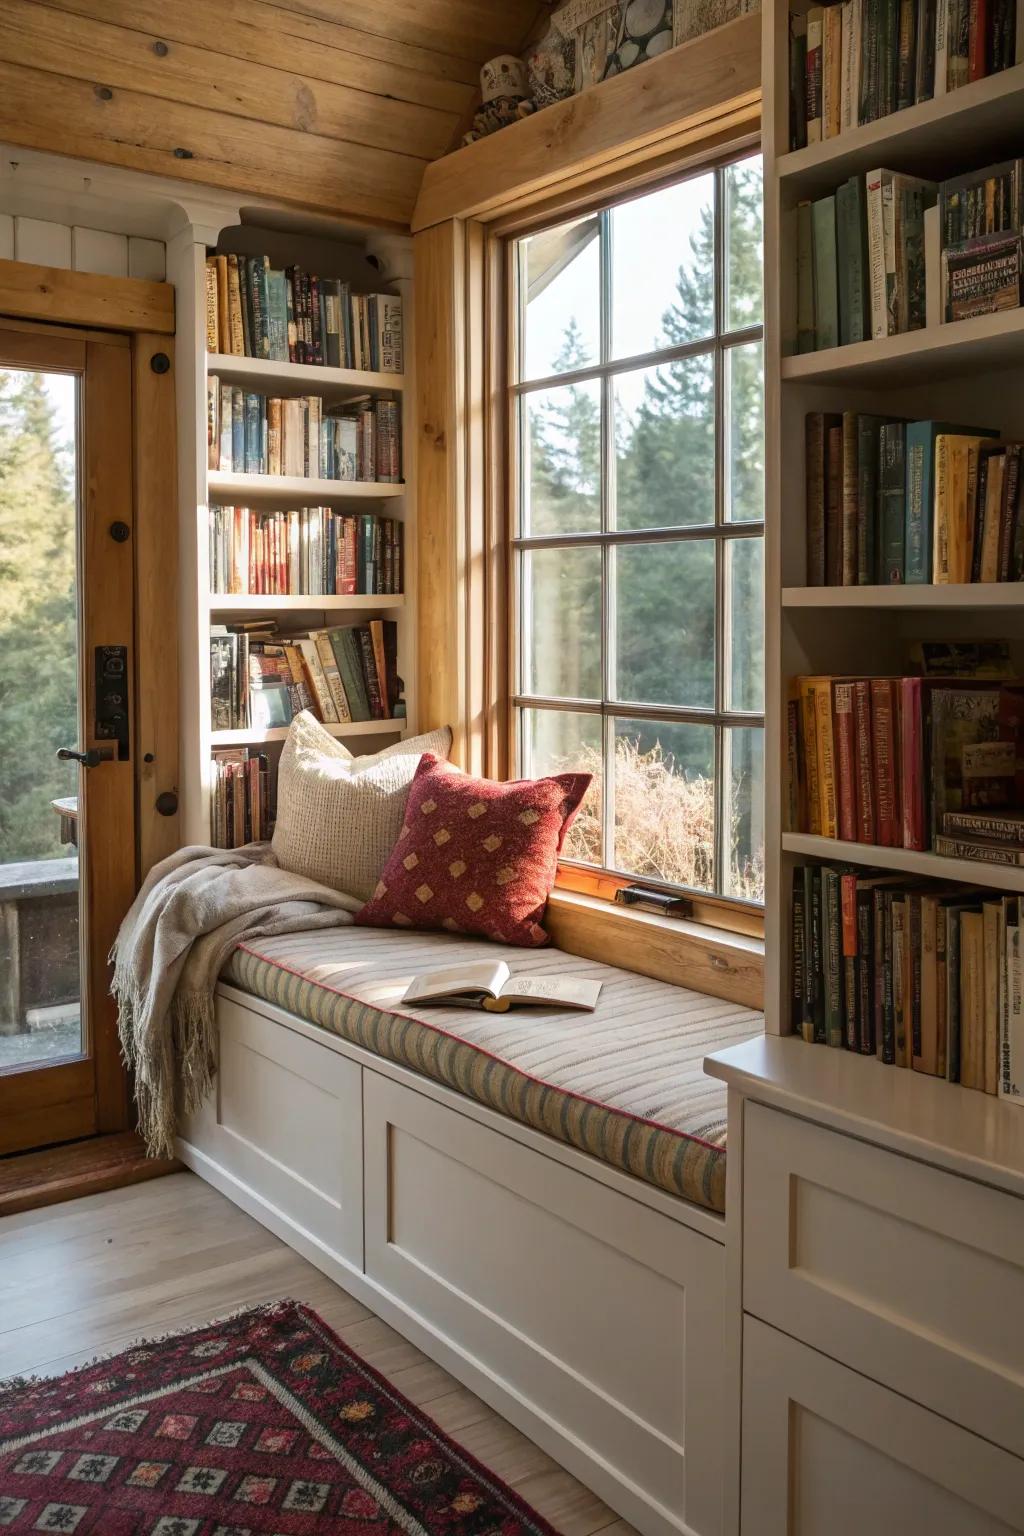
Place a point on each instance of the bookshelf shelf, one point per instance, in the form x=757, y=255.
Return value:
x=978, y=123
x=253, y=738
x=302, y=378
x=896, y=599
x=301, y=602
x=963, y=349
x=994, y=876
x=299, y=489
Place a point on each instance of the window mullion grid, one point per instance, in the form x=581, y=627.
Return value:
x=608, y=523
x=720, y=472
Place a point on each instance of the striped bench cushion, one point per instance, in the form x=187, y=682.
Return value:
x=624, y=1083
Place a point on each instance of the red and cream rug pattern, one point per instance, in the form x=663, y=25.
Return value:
x=264, y=1424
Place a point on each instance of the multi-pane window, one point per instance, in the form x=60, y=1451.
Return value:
x=637, y=414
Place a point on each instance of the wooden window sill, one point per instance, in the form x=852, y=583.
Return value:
x=676, y=950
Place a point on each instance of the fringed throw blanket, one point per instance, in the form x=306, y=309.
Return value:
x=189, y=915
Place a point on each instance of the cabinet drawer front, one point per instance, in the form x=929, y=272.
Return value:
x=828, y=1453
x=909, y=1274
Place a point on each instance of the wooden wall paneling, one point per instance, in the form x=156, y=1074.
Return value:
x=314, y=47
x=440, y=475
x=110, y=862
x=663, y=106
x=155, y=750
x=457, y=28
x=89, y=49
x=131, y=130
x=46, y=293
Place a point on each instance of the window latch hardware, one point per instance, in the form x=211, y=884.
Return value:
x=644, y=899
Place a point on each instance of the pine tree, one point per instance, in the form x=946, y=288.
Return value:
x=38, y=621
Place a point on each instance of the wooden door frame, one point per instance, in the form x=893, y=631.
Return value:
x=123, y=327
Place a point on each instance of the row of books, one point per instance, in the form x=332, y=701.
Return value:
x=342, y=674
x=240, y=804
x=252, y=434
x=916, y=502
x=288, y=315
x=909, y=762
x=862, y=264
x=315, y=551
x=920, y=975
x=861, y=261
x=859, y=60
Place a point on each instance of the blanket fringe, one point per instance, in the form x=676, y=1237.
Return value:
x=184, y=1054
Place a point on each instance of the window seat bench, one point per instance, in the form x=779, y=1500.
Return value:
x=533, y=1198
x=624, y=1083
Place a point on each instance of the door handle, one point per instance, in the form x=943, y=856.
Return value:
x=91, y=758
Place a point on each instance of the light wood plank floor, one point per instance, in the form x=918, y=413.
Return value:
x=88, y=1277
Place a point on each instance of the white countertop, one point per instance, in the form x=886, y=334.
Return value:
x=970, y=1133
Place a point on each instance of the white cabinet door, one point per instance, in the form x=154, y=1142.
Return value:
x=826, y=1452
x=911, y=1275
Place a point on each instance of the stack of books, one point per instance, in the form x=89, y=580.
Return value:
x=240, y=805
x=919, y=502
x=287, y=315
x=861, y=260
x=315, y=551
x=909, y=762
x=921, y=975
x=250, y=434
x=859, y=60
x=342, y=674
x=980, y=222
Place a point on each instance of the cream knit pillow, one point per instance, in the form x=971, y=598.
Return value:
x=339, y=816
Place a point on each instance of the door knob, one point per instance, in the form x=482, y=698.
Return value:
x=88, y=759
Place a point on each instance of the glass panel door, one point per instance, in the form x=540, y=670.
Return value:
x=67, y=794
x=41, y=1009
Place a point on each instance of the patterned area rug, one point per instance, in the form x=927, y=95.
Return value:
x=263, y=1423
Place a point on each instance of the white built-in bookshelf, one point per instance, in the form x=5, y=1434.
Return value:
x=967, y=371
x=371, y=264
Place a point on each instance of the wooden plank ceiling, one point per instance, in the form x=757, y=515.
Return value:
x=337, y=105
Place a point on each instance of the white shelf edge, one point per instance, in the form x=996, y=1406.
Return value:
x=975, y=595
x=901, y=130
x=356, y=380
x=904, y=860
x=253, y=738
x=310, y=491
x=300, y=602
x=984, y=341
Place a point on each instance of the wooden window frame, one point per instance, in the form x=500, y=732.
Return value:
x=472, y=204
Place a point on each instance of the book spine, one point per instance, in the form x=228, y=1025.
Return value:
x=979, y=853
x=832, y=71
x=943, y=512
x=237, y=331
x=805, y=325
x=826, y=282
x=834, y=507
x=832, y=957
x=865, y=974
x=892, y=500
x=901, y=1055
x=848, y=908
x=370, y=675
x=885, y=759
x=876, y=255
x=907, y=21
x=810, y=746
x=914, y=975
x=814, y=480
x=796, y=817
x=941, y=994
x=940, y=72
x=972, y=986
x=924, y=50
x=888, y=1025
x=926, y=1036
x=911, y=738
x=1011, y=522
x=850, y=506
x=810, y=975
x=993, y=829
x=826, y=757
x=846, y=761
x=865, y=809
x=918, y=520
x=212, y=318
x=867, y=499
x=328, y=660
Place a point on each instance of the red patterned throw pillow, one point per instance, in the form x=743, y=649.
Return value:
x=475, y=856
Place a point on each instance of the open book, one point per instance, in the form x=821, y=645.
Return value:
x=492, y=986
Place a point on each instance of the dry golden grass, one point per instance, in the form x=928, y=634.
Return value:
x=664, y=822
